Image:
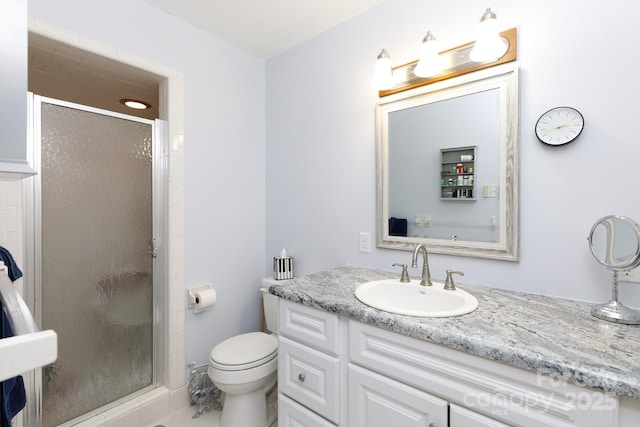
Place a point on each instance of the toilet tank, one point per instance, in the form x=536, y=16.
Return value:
x=270, y=305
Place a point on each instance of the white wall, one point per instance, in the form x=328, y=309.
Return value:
x=321, y=138
x=224, y=152
x=320, y=142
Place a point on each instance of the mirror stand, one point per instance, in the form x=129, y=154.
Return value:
x=614, y=310
x=615, y=243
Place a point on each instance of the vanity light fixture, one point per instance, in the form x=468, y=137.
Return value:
x=489, y=45
x=490, y=49
x=429, y=64
x=135, y=104
x=382, y=76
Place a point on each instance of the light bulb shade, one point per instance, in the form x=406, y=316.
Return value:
x=429, y=63
x=489, y=45
x=383, y=75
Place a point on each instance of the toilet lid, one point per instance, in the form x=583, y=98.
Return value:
x=244, y=351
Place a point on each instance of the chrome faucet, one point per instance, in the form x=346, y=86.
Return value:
x=426, y=275
x=404, y=277
x=448, y=283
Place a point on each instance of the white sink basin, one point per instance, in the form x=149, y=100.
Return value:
x=412, y=299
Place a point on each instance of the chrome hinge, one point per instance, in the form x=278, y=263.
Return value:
x=152, y=247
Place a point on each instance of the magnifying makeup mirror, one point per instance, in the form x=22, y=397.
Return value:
x=615, y=243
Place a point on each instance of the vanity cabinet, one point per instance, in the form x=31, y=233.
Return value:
x=310, y=367
x=335, y=372
x=13, y=90
x=458, y=169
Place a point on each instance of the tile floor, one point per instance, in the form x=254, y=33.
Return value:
x=185, y=418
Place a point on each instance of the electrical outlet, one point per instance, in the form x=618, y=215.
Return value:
x=365, y=242
x=630, y=276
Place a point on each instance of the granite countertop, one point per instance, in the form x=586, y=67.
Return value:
x=549, y=335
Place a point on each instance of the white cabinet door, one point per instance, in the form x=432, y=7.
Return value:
x=290, y=414
x=378, y=401
x=462, y=417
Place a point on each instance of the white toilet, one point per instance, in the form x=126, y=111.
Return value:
x=245, y=368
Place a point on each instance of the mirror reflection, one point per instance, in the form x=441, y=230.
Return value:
x=428, y=177
x=447, y=166
x=615, y=243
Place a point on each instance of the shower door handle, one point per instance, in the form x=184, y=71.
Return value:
x=152, y=247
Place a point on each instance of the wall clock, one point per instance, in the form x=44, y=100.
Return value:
x=559, y=126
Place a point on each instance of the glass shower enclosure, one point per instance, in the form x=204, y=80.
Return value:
x=96, y=283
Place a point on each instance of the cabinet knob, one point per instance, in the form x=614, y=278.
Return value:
x=433, y=425
x=301, y=379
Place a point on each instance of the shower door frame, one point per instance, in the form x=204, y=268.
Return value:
x=32, y=416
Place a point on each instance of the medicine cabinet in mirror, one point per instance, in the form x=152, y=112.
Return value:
x=447, y=166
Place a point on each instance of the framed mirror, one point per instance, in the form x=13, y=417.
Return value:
x=447, y=166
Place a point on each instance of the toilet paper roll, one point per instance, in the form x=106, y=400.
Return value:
x=204, y=299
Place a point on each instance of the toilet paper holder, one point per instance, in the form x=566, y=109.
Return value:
x=195, y=295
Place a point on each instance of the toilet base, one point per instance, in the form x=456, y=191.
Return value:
x=248, y=409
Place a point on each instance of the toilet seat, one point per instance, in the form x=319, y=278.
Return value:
x=244, y=351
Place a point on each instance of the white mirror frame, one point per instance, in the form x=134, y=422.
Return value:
x=503, y=77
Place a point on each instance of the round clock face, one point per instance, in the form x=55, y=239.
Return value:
x=559, y=126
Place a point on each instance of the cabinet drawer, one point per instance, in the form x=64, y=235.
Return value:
x=377, y=401
x=291, y=414
x=315, y=328
x=310, y=377
x=461, y=417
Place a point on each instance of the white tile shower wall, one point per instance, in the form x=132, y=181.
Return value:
x=11, y=221
x=11, y=226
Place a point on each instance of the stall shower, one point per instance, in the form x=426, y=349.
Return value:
x=95, y=263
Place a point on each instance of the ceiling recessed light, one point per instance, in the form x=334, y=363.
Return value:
x=135, y=104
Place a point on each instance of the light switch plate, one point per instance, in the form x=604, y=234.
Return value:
x=365, y=242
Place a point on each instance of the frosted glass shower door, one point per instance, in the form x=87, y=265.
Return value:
x=97, y=274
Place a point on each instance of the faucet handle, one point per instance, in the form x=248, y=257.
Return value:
x=404, y=277
x=448, y=283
